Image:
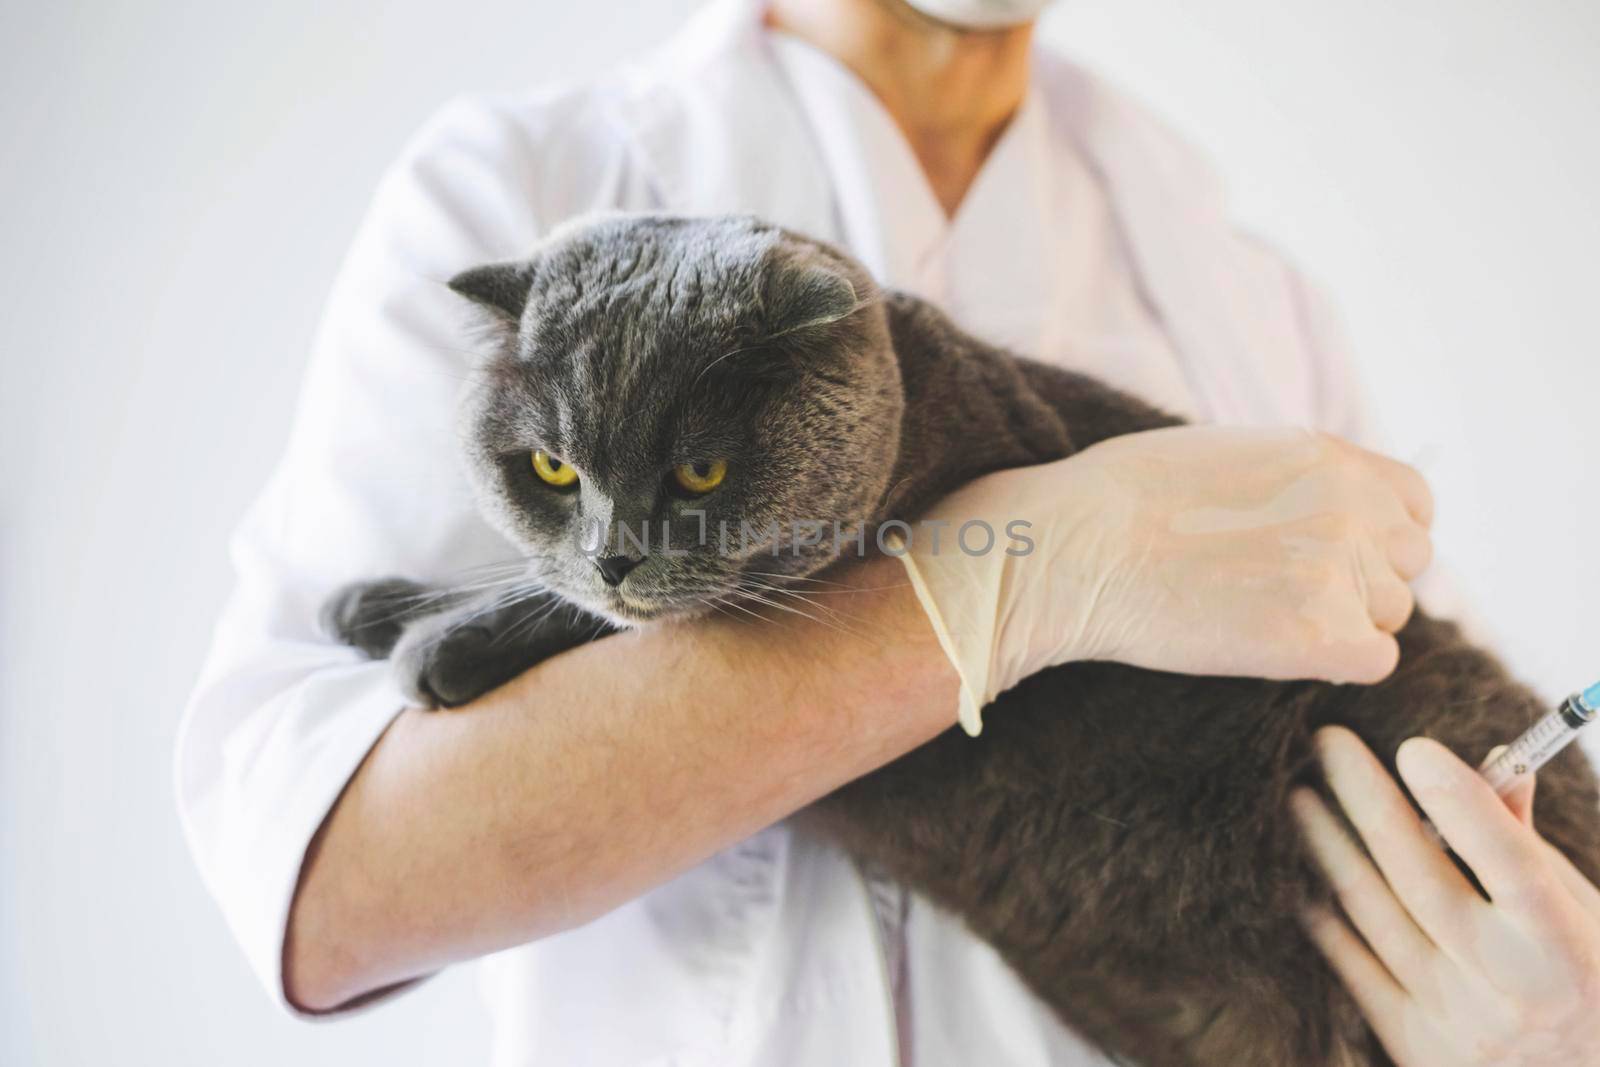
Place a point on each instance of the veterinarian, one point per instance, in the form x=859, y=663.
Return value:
x=610, y=826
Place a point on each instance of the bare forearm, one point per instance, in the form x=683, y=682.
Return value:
x=600, y=774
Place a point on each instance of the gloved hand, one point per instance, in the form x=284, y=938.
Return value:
x=1200, y=549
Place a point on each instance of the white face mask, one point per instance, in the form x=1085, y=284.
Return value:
x=981, y=14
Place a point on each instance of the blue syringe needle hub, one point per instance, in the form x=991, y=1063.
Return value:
x=1541, y=741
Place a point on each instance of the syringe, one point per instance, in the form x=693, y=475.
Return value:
x=1541, y=741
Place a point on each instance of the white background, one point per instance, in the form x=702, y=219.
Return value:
x=177, y=183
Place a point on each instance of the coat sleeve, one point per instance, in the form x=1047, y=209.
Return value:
x=369, y=485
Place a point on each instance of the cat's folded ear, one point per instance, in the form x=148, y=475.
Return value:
x=806, y=297
x=500, y=288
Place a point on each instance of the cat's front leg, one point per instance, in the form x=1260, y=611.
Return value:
x=455, y=656
x=371, y=615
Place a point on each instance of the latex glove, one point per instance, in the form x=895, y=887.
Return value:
x=1198, y=549
x=1444, y=977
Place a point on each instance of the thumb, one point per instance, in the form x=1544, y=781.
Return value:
x=1520, y=798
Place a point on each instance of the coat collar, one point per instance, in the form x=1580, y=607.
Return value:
x=697, y=110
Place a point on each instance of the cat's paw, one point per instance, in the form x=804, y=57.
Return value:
x=372, y=615
x=450, y=665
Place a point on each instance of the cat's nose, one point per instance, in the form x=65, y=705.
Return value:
x=615, y=568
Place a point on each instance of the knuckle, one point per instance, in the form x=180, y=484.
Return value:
x=1385, y=658
x=1396, y=603
x=1493, y=1048
x=1544, y=1014
x=1344, y=522
x=1429, y=506
x=1349, y=888
x=1337, y=525
x=1420, y=486
x=1316, y=573
x=1418, y=545
x=1329, y=446
x=1538, y=892
x=1405, y=597
x=1438, y=899
x=1586, y=989
x=1349, y=461
x=1425, y=550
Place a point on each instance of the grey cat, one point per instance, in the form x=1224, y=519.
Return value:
x=1119, y=835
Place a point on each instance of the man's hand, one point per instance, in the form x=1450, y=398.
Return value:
x=1445, y=978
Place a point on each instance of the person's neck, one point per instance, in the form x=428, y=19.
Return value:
x=951, y=92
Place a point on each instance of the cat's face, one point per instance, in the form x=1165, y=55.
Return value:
x=670, y=391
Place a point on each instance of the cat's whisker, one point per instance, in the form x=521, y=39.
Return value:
x=726, y=355
x=729, y=602
x=761, y=598
x=472, y=377
x=413, y=605
x=889, y=494
x=525, y=570
x=1106, y=818
x=459, y=592
x=842, y=590
x=533, y=619
x=803, y=597
x=716, y=607
x=489, y=606
x=827, y=615
x=470, y=580
x=796, y=578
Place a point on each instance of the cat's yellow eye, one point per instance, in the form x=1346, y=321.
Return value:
x=702, y=476
x=551, y=470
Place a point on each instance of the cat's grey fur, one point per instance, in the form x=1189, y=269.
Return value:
x=1120, y=835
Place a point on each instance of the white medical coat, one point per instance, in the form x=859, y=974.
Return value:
x=768, y=954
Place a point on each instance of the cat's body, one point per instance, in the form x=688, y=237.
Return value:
x=1120, y=835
